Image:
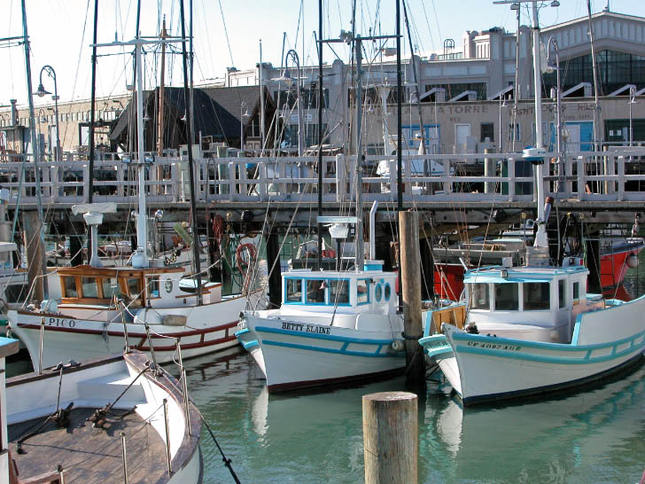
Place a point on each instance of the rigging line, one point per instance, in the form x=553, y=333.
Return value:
x=228, y=42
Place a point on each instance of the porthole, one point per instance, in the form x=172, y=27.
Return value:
x=387, y=291
x=168, y=285
x=378, y=293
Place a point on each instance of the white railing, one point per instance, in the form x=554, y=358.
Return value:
x=610, y=176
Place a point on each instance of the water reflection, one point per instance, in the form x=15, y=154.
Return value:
x=598, y=435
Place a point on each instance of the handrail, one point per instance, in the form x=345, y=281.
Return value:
x=426, y=178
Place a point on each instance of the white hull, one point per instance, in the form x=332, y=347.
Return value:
x=311, y=354
x=208, y=328
x=483, y=368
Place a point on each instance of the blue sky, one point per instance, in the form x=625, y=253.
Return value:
x=61, y=31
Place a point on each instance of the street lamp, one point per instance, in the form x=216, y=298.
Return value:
x=294, y=56
x=244, y=113
x=42, y=92
x=558, y=102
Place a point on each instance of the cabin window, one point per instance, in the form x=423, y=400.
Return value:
x=536, y=296
x=339, y=291
x=110, y=287
x=70, y=286
x=507, y=297
x=479, y=298
x=316, y=291
x=133, y=287
x=90, y=288
x=294, y=290
x=153, y=286
x=576, y=291
x=562, y=295
x=362, y=291
x=378, y=292
x=387, y=292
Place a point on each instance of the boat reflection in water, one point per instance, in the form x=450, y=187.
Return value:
x=576, y=437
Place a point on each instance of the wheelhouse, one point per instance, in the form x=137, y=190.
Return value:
x=318, y=290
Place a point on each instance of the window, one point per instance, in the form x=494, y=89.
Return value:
x=487, y=131
x=562, y=296
x=479, y=298
x=378, y=293
x=339, y=291
x=362, y=291
x=153, y=286
x=316, y=291
x=536, y=296
x=110, y=287
x=387, y=291
x=90, y=288
x=576, y=291
x=294, y=291
x=70, y=286
x=506, y=297
x=133, y=287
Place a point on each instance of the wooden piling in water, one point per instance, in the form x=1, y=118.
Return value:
x=390, y=437
x=411, y=291
x=34, y=244
x=273, y=258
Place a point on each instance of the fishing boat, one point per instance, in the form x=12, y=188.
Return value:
x=332, y=327
x=124, y=409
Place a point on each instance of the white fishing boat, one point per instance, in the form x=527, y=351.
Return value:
x=332, y=326
x=537, y=331
x=128, y=412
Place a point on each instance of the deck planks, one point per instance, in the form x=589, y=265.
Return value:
x=90, y=455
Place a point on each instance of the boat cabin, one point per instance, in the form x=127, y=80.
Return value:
x=536, y=302
x=88, y=286
x=318, y=291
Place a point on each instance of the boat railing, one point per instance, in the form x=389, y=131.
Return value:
x=504, y=177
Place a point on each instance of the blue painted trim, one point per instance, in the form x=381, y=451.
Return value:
x=329, y=337
x=250, y=344
x=543, y=345
x=332, y=350
x=241, y=332
x=586, y=360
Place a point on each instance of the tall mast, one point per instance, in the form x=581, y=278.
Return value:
x=90, y=186
x=360, y=253
x=162, y=91
x=540, y=237
x=261, y=79
x=191, y=164
x=594, y=69
x=399, y=130
x=320, y=133
x=516, y=86
x=140, y=258
x=34, y=145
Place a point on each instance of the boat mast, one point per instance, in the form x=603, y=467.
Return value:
x=34, y=147
x=191, y=164
x=358, y=169
x=140, y=258
x=320, y=133
x=91, y=154
x=162, y=91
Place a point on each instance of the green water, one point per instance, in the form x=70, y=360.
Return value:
x=592, y=436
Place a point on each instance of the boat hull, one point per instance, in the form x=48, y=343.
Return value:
x=484, y=368
x=300, y=355
x=208, y=329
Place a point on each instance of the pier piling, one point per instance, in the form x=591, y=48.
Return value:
x=411, y=291
x=390, y=437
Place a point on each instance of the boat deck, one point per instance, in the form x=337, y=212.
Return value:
x=91, y=455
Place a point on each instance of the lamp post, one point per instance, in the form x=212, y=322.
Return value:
x=294, y=56
x=558, y=104
x=42, y=92
x=244, y=113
